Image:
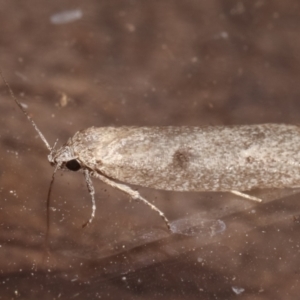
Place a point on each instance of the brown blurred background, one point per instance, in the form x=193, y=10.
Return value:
x=76, y=64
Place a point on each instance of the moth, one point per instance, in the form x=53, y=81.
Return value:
x=172, y=158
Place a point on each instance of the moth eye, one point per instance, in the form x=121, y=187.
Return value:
x=73, y=165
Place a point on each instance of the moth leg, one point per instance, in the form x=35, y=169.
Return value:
x=91, y=189
x=246, y=196
x=135, y=195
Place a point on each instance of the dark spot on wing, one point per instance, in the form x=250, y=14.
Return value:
x=249, y=159
x=181, y=159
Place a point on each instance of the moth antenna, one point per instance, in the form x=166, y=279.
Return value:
x=48, y=205
x=54, y=144
x=25, y=112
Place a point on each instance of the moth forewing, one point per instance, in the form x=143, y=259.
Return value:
x=184, y=158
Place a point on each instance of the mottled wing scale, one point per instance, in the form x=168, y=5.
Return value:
x=184, y=158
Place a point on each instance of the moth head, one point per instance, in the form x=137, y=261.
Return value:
x=73, y=165
x=64, y=158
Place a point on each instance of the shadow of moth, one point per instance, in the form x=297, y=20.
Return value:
x=217, y=158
